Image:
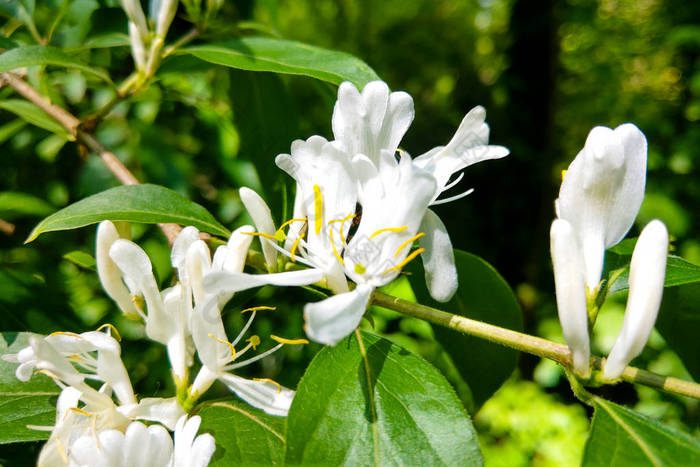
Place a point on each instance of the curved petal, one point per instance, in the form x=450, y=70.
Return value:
x=330, y=320
x=192, y=450
x=647, y=273
x=107, y=270
x=571, y=293
x=157, y=409
x=222, y=281
x=273, y=399
x=438, y=258
x=262, y=218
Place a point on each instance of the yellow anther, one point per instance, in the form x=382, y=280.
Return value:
x=403, y=263
x=318, y=209
x=273, y=382
x=280, y=235
x=261, y=234
x=408, y=242
x=80, y=411
x=299, y=219
x=66, y=333
x=139, y=301
x=563, y=174
x=112, y=329
x=342, y=224
x=295, y=245
x=258, y=308
x=230, y=345
x=282, y=340
x=335, y=251
x=360, y=269
x=76, y=358
x=254, y=341
x=388, y=229
x=46, y=372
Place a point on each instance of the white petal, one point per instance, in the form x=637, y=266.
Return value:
x=571, y=293
x=157, y=409
x=438, y=258
x=107, y=270
x=191, y=451
x=111, y=370
x=647, y=272
x=238, y=245
x=178, y=253
x=198, y=261
x=330, y=320
x=262, y=217
x=218, y=282
x=273, y=399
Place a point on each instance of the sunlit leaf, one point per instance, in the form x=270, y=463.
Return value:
x=14, y=204
x=45, y=55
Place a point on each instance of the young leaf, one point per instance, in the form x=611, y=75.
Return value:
x=148, y=204
x=45, y=55
x=244, y=435
x=22, y=404
x=372, y=402
x=283, y=56
x=485, y=296
x=34, y=115
x=622, y=437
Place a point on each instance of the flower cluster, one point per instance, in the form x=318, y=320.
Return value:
x=599, y=199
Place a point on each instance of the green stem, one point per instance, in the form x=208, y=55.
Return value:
x=527, y=343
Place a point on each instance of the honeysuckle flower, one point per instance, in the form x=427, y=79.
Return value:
x=191, y=450
x=646, y=286
x=262, y=218
x=602, y=192
x=369, y=127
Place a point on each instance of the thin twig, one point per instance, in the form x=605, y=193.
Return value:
x=526, y=343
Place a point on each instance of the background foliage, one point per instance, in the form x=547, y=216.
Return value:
x=546, y=72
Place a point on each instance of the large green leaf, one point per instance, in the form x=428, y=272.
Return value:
x=244, y=435
x=14, y=204
x=283, y=56
x=485, y=296
x=388, y=408
x=678, y=272
x=621, y=437
x=34, y=115
x=22, y=404
x=45, y=55
x=679, y=323
x=149, y=204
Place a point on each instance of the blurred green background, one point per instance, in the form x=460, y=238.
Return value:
x=546, y=71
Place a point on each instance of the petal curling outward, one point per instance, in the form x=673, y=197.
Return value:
x=264, y=395
x=438, y=258
x=332, y=319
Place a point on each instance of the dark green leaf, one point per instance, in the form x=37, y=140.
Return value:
x=485, y=296
x=14, y=204
x=34, y=115
x=22, y=404
x=679, y=322
x=244, y=435
x=6, y=43
x=45, y=55
x=110, y=39
x=148, y=204
x=390, y=408
x=283, y=56
x=622, y=437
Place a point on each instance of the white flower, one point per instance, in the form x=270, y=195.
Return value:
x=646, y=280
x=602, y=191
x=191, y=450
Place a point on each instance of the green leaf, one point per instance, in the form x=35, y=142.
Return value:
x=11, y=128
x=283, y=56
x=678, y=272
x=485, y=296
x=149, y=204
x=34, y=115
x=45, y=55
x=390, y=407
x=22, y=404
x=622, y=437
x=14, y=204
x=102, y=41
x=244, y=435
x=82, y=259
x=679, y=322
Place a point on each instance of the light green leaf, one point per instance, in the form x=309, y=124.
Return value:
x=621, y=437
x=14, y=204
x=244, y=435
x=148, y=204
x=34, y=115
x=45, y=55
x=283, y=56
x=11, y=128
x=390, y=407
x=110, y=39
x=22, y=404
x=82, y=259
x=485, y=296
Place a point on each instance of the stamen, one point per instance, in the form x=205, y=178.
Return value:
x=360, y=269
x=452, y=198
x=268, y=380
x=563, y=174
x=388, y=229
x=408, y=242
x=283, y=340
x=93, y=427
x=75, y=409
x=230, y=345
x=335, y=251
x=66, y=333
x=295, y=245
x=258, y=308
x=261, y=234
x=61, y=452
x=253, y=359
x=299, y=219
x=112, y=329
x=453, y=183
x=318, y=209
x=342, y=224
x=245, y=328
x=403, y=263
x=254, y=341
